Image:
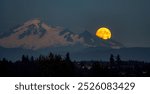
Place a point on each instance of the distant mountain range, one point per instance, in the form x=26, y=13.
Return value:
x=35, y=37
x=35, y=34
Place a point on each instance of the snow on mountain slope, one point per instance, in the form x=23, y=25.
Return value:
x=35, y=34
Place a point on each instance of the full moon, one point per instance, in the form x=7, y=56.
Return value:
x=103, y=33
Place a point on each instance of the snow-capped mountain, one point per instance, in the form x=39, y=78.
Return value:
x=35, y=34
x=93, y=41
x=35, y=37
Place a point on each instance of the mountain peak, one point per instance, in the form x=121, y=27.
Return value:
x=86, y=34
x=33, y=21
x=35, y=34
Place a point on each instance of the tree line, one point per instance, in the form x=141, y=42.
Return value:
x=54, y=65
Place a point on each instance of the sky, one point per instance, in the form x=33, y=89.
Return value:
x=129, y=20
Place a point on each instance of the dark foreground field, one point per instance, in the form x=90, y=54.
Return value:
x=56, y=66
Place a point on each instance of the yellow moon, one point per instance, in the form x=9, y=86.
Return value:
x=103, y=33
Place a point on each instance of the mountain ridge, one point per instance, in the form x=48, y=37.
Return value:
x=35, y=37
x=35, y=34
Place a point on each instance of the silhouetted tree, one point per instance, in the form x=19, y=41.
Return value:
x=118, y=60
x=58, y=58
x=55, y=65
x=51, y=57
x=25, y=59
x=111, y=60
x=67, y=59
x=4, y=60
x=32, y=59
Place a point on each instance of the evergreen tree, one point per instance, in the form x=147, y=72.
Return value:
x=67, y=59
x=32, y=59
x=112, y=61
x=23, y=58
x=51, y=57
x=118, y=60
